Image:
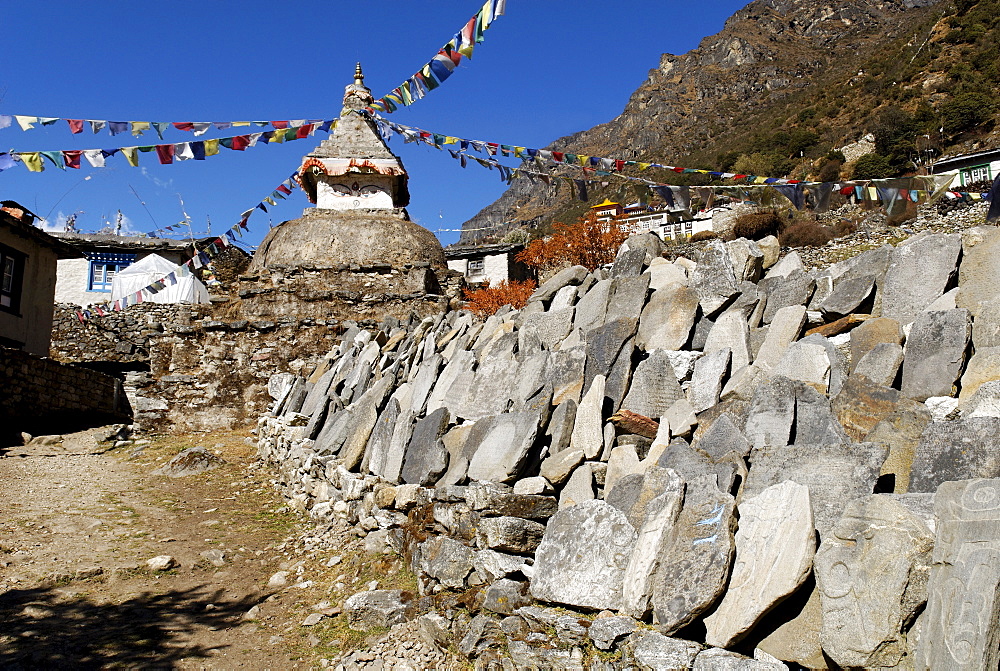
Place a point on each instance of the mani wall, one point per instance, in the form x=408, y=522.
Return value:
x=680, y=464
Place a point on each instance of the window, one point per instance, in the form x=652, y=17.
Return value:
x=475, y=267
x=11, y=279
x=104, y=267
x=977, y=174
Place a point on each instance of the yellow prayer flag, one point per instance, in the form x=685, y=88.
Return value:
x=270, y=200
x=138, y=127
x=519, y=152
x=760, y=180
x=872, y=193
x=582, y=159
x=211, y=147
x=279, y=136
x=131, y=155
x=33, y=161
x=241, y=123
x=450, y=140
x=644, y=166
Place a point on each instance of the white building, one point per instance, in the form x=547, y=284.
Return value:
x=969, y=168
x=669, y=224
x=488, y=263
x=85, y=281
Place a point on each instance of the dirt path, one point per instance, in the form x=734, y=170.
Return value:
x=77, y=524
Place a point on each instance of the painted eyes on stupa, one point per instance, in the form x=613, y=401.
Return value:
x=362, y=192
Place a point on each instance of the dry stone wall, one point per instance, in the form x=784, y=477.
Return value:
x=42, y=395
x=698, y=461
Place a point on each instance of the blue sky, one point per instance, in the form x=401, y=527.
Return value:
x=548, y=68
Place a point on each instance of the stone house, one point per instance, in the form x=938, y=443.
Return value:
x=86, y=279
x=488, y=263
x=28, y=258
x=970, y=168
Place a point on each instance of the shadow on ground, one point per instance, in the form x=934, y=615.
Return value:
x=43, y=628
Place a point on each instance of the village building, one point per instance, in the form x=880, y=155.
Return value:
x=669, y=223
x=87, y=278
x=356, y=254
x=488, y=263
x=982, y=166
x=28, y=258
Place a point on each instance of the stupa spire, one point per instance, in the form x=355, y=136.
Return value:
x=359, y=76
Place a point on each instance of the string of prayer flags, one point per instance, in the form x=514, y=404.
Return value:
x=199, y=260
x=137, y=128
x=443, y=64
x=280, y=192
x=166, y=154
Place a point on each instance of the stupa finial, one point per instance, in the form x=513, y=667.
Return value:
x=359, y=77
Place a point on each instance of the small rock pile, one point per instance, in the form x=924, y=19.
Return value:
x=726, y=460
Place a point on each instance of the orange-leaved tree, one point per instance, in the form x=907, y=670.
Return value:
x=487, y=299
x=589, y=243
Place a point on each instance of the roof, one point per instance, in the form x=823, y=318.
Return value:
x=606, y=203
x=946, y=162
x=93, y=241
x=19, y=220
x=466, y=252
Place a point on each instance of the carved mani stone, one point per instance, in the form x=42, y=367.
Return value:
x=961, y=627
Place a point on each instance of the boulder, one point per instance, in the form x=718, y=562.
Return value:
x=191, y=461
x=662, y=274
x=730, y=331
x=765, y=572
x=588, y=430
x=579, y=487
x=426, y=458
x=668, y=318
x=979, y=273
x=983, y=367
x=550, y=328
x=574, y=275
x=499, y=446
x=871, y=334
x=654, y=386
x=935, y=353
x=806, y=362
x=834, y=474
x=872, y=574
x=695, y=559
x=795, y=289
x=785, y=329
x=605, y=632
x=849, y=295
x=504, y=596
x=933, y=257
x=377, y=608
x=509, y=534
x=900, y=432
x=582, y=558
x=628, y=295
x=881, y=364
x=629, y=262
x=961, y=625
x=958, y=450
x=714, y=279
x=446, y=560
x=592, y=308
x=653, y=513
x=653, y=651
x=747, y=258
x=706, y=380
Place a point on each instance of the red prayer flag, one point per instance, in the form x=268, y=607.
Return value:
x=304, y=131
x=166, y=153
x=240, y=142
x=72, y=158
x=283, y=189
x=183, y=125
x=558, y=156
x=75, y=125
x=280, y=124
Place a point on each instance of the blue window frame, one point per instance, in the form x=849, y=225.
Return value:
x=104, y=267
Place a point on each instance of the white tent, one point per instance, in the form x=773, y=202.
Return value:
x=151, y=268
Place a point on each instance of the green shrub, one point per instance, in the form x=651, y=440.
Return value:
x=703, y=235
x=966, y=111
x=872, y=166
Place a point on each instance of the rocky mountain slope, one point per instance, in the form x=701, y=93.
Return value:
x=786, y=78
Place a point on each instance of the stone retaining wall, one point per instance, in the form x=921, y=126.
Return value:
x=42, y=395
x=632, y=442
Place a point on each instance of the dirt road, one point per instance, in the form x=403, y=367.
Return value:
x=78, y=523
